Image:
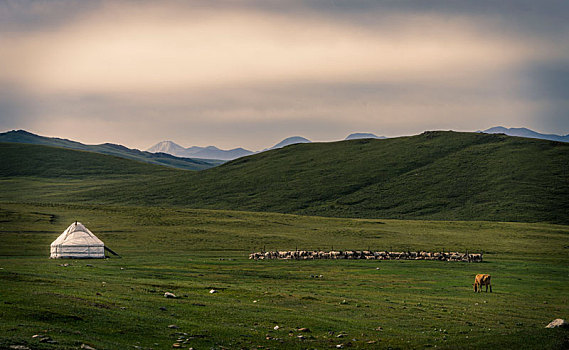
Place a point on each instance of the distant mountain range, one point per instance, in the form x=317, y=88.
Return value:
x=22, y=136
x=212, y=152
x=524, y=132
x=170, y=154
x=209, y=152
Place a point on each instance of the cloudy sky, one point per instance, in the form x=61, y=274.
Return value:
x=250, y=73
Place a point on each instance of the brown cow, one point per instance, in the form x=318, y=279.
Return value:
x=482, y=280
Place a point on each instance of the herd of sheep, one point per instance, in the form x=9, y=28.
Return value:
x=365, y=254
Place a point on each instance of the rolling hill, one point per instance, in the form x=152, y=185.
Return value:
x=435, y=175
x=46, y=162
x=22, y=136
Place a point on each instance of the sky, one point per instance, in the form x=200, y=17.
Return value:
x=250, y=73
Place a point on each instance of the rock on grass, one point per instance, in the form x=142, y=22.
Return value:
x=559, y=322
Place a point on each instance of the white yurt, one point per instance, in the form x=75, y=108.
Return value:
x=77, y=242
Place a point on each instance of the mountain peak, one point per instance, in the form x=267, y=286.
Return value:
x=290, y=141
x=18, y=133
x=363, y=135
x=525, y=132
x=496, y=129
x=209, y=152
x=167, y=143
x=169, y=147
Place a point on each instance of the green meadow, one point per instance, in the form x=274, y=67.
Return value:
x=119, y=303
x=432, y=176
x=188, y=233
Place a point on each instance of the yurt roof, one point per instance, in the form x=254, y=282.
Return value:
x=77, y=234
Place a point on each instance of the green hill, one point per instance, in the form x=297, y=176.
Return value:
x=26, y=160
x=435, y=175
x=21, y=136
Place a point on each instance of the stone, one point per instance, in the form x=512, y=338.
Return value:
x=19, y=347
x=169, y=295
x=173, y=326
x=558, y=322
x=176, y=345
x=303, y=329
x=87, y=347
x=212, y=291
x=276, y=328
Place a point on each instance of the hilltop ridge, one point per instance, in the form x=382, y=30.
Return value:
x=165, y=159
x=434, y=175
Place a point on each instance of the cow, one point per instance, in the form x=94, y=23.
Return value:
x=482, y=280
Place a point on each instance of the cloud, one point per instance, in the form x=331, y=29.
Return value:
x=132, y=72
x=257, y=116
x=161, y=48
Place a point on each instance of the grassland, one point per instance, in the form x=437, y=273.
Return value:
x=21, y=136
x=436, y=176
x=116, y=303
x=147, y=214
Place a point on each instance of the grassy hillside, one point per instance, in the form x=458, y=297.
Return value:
x=119, y=303
x=440, y=175
x=21, y=136
x=435, y=175
x=25, y=160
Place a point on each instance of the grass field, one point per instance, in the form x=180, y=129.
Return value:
x=116, y=303
x=432, y=176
